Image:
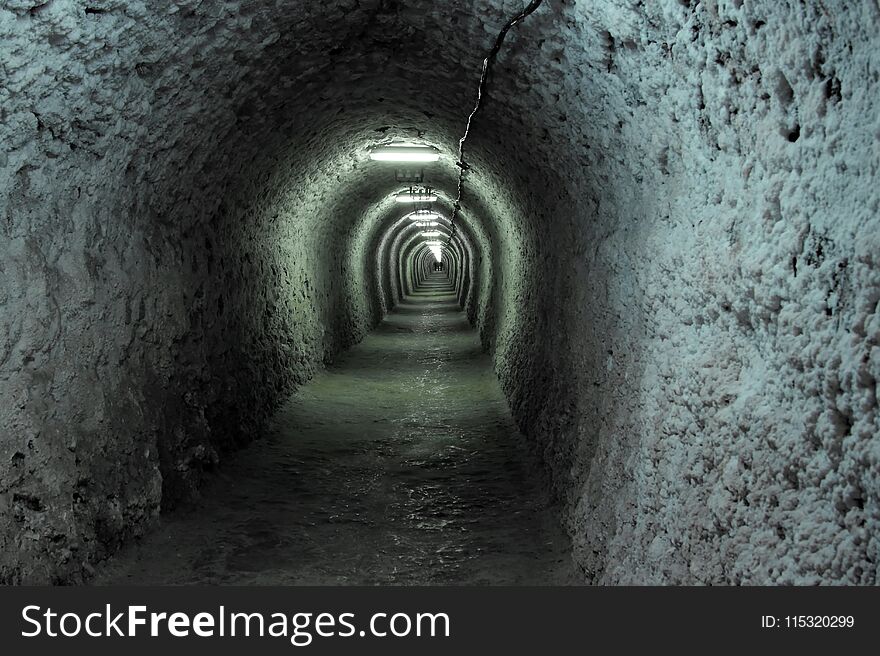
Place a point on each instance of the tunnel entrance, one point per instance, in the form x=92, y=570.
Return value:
x=399, y=464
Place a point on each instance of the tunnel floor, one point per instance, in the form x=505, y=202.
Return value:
x=399, y=464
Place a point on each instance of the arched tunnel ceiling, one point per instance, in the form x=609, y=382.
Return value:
x=216, y=94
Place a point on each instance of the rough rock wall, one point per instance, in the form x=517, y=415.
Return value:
x=137, y=341
x=180, y=184
x=715, y=410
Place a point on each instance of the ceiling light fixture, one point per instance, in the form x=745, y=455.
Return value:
x=424, y=215
x=416, y=196
x=404, y=153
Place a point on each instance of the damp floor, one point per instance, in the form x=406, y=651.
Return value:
x=399, y=464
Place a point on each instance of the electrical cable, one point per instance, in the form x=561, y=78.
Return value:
x=481, y=93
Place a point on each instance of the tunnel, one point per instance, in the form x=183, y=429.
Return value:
x=650, y=357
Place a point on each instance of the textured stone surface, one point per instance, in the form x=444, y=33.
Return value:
x=184, y=185
x=711, y=401
x=670, y=233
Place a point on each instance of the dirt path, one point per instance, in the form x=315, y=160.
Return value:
x=400, y=464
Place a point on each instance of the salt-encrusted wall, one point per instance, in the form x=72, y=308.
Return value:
x=182, y=187
x=713, y=415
